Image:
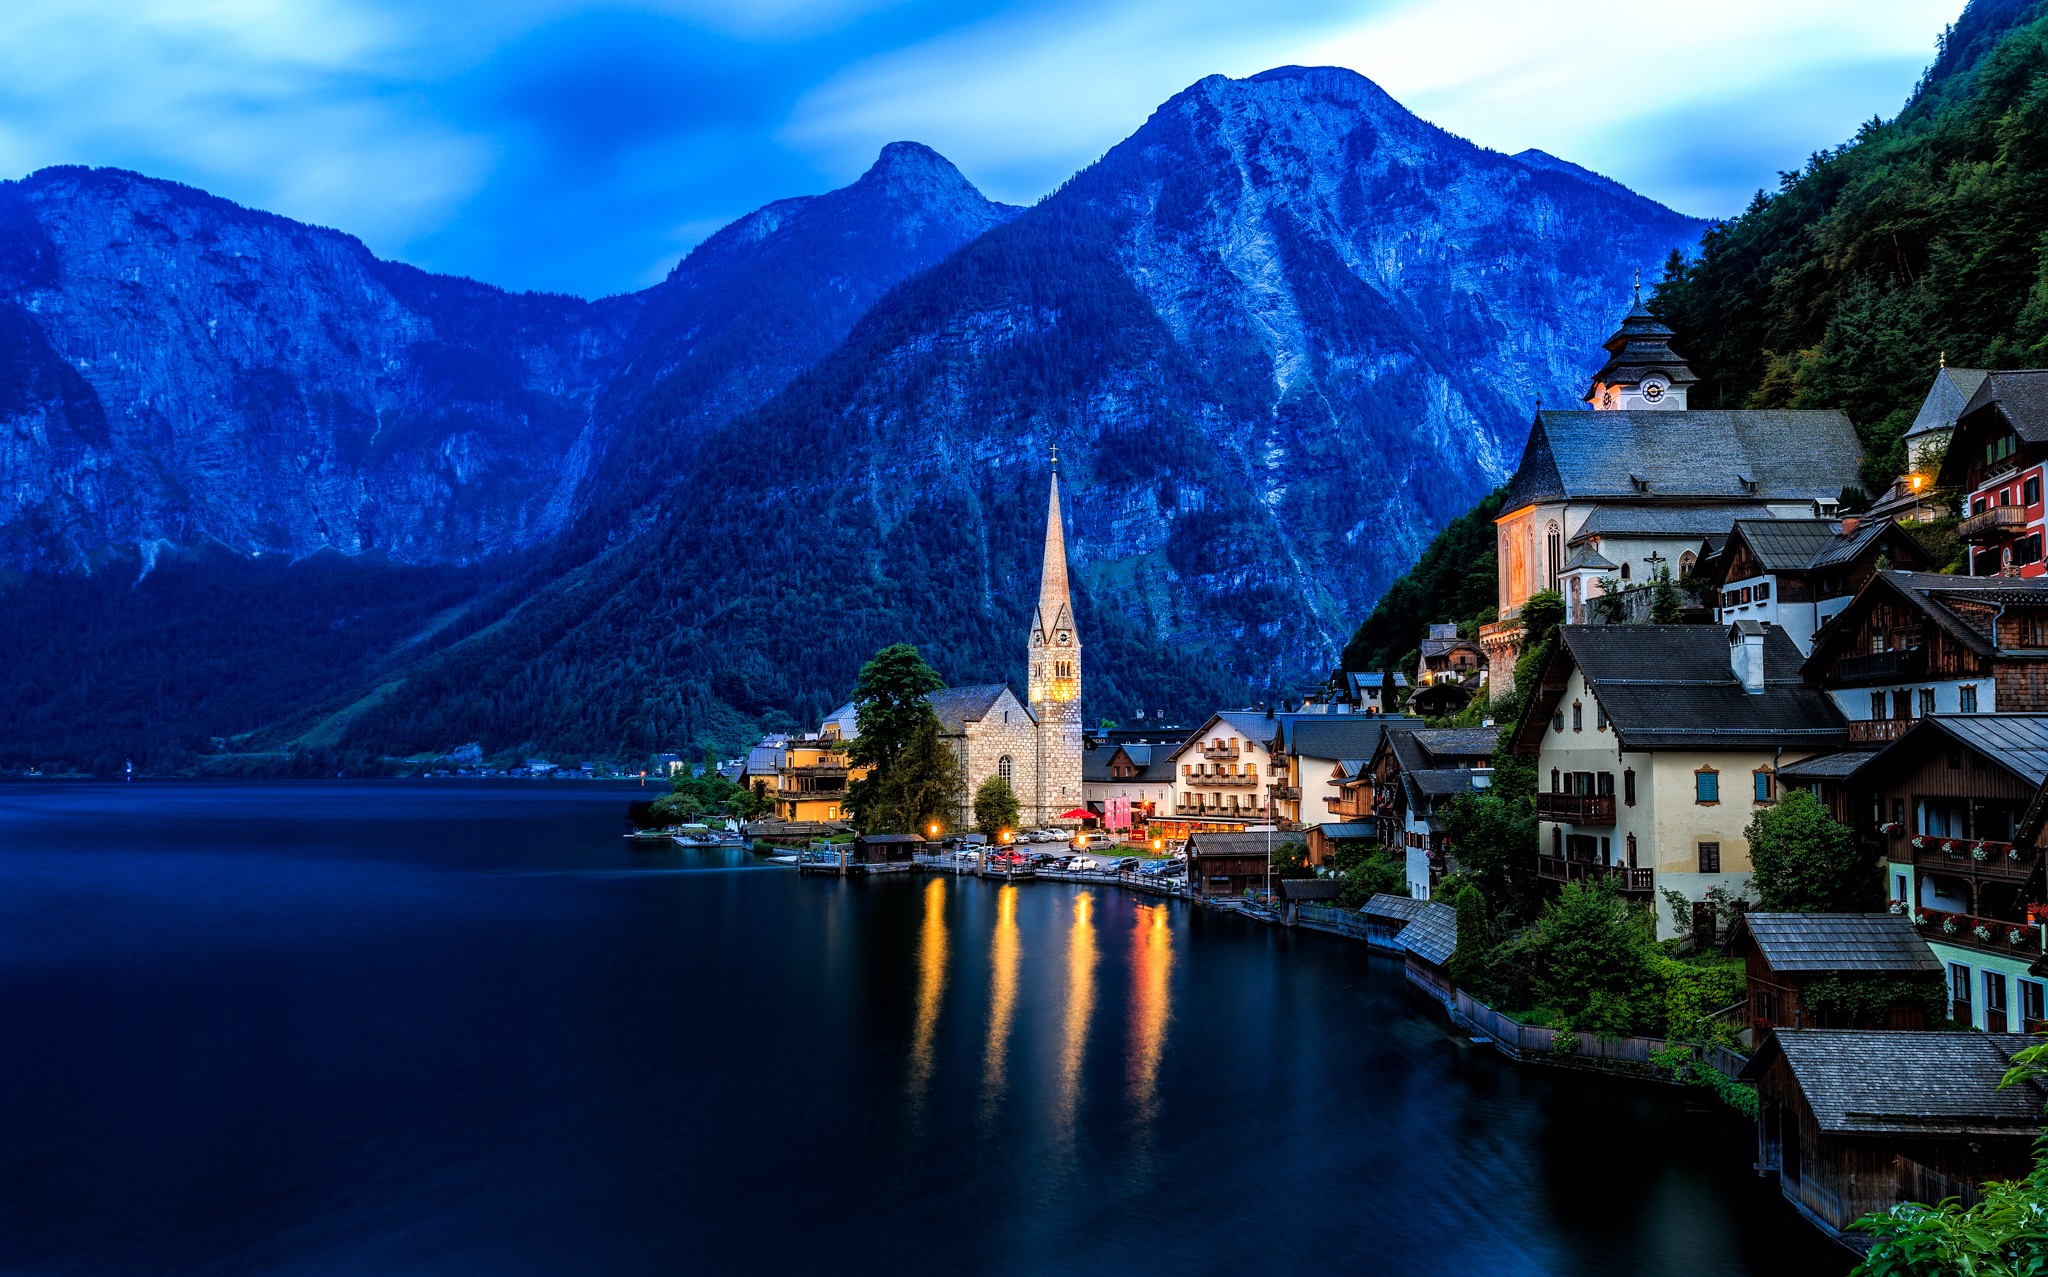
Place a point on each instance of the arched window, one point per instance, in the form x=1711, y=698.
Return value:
x=1685, y=562
x=1003, y=768
x=1578, y=717
x=1553, y=553
x=1556, y=781
x=1624, y=571
x=1631, y=851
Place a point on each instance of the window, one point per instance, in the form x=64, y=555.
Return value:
x=1624, y=571
x=1763, y=592
x=2031, y=1008
x=1898, y=886
x=1979, y=505
x=1557, y=840
x=1557, y=722
x=1966, y=698
x=1553, y=546
x=1556, y=781
x=1926, y=701
x=1762, y=778
x=1631, y=851
x=1710, y=857
x=1959, y=994
x=2027, y=549
x=2005, y=496
x=1994, y=1002
x=1628, y=787
x=1578, y=717
x=1999, y=449
x=1902, y=703
x=1706, y=786
x=2034, y=631
x=2030, y=491
x=1599, y=717
x=1003, y=768
x=1877, y=704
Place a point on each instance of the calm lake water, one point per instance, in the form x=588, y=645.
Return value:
x=446, y=1029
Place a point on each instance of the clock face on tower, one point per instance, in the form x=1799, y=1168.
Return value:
x=1654, y=388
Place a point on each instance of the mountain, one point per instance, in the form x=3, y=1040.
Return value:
x=1279, y=336
x=197, y=400
x=1918, y=239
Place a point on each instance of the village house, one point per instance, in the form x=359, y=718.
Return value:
x=1312, y=749
x=1414, y=774
x=1639, y=480
x=1786, y=954
x=1995, y=456
x=1364, y=691
x=1229, y=866
x=1221, y=772
x=1133, y=779
x=1854, y=1122
x=1799, y=574
x=1950, y=802
x=1449, y=671
x=1912, y=496
x=1912, y=644
x=1654, y=746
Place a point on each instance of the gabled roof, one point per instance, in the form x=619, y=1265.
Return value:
x=1341, y=735
x=2016, y=742
x=1836, y=766
x=2015, y=399
x=1929, y=593
x=1439, y=646
x=959, y=706
x=1673, y=687
x=1432, y=934
x=1584, y=556
x=1236, y=844
x=1255, y=726
x=1861, y=1082
x=1443, y=744
x=1740, y=455
x=1803, y=545
x=1343, y=829
x=1834, y=942
x=1309, y=888
x=1440, y=782
x=1389, y=906
x=1360, y=680
x=1678, y=522
x=1153, y=762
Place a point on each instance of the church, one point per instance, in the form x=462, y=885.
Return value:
x=1034, y=743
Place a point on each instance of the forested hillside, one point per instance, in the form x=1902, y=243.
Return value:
x=1919, y=236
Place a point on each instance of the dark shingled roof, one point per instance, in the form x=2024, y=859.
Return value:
x=1951, y=392
x=1838, y=766
x=2016, y=742
x=1446, y=743
x=1836, y=942
x=959, y=706
x=1349, y=829
x=2021, y=396
x=1309, y=888
x=1927, y=592
x=1398, y=908
x=1339, y=735
x=1251, y=844
x=1641, y=346
x=1789, y=454
x=1791, y=545
x=1862, y=1082
x=1585, y=556
x=1688, y=523
x=1672, y=687
x=1152, y=761
x=1440, y=781
x=1432, y=934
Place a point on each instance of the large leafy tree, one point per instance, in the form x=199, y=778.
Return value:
x=1591, y=961
x=1805, y=861
x=914, y=779
x=995, y=806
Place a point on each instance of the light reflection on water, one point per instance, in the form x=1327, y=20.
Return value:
x=1080, y=1008
x=931, y=987
x=1005, y=951
x=1151, y=1004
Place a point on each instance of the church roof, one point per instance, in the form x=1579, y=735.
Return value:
x=1702, y=455
x=959, y=706
x=1952, y=389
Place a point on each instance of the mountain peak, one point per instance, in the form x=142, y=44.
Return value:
x=914, y=166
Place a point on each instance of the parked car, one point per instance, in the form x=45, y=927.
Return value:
x=1126, y=865
x=1083, y=864
x=1049, y=835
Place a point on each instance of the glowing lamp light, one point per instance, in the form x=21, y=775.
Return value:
x=1917, y=481
x=934, y=829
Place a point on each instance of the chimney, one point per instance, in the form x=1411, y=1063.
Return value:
x=1849, y=525
x=1746, y=654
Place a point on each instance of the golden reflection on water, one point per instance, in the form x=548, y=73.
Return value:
x=931, y=983
x=1080, y=1007
x=1151, y=1003
x=1005, y=949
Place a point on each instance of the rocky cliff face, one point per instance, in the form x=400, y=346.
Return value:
x=1280, y=336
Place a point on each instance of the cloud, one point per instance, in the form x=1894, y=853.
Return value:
x=581, y=146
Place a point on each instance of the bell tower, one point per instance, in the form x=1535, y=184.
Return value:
x=1642, y=371
x=1053, y=660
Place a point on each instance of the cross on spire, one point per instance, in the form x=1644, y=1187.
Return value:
x=1639, y=285
x=1055, y=456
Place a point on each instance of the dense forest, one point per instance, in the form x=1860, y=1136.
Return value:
x=1919, y=237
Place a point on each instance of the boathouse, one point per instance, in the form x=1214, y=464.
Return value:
x=1225, y=866
x=1804, y=969
x=1856, y=1121
x=885, y=849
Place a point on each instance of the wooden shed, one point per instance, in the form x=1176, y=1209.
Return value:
x=1295, y=892
x=1856, y=1121
x=883, y=849
x=1228, y=865
x=1786, y=953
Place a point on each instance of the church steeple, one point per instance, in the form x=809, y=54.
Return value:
x=1055, y=656
x=1642, y=371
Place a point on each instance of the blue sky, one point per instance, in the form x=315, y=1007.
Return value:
x=584, y=147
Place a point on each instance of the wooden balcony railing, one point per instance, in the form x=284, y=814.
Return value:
x=1972, y=857
x=1219, y=751
x=1999, y=935
x=1874, y=730
x=1883, y=667
x=1994, y=524
x=1576, y=809
x=1286, y=791
x=1220, y=779
x=1624, y=877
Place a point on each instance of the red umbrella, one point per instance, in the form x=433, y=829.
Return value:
x=1079, y=813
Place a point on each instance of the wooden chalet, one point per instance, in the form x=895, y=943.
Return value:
x=1998, y=455
x=1912, y=644
x=882, y=849
x=1855, y=1121
x=1228, y=866
x=1785, y=953
x=1797, y=574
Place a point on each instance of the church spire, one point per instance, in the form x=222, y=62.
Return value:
x=1055, y=648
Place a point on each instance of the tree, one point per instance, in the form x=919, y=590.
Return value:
x=1804, y=861
x=892, y=718
x=921, y=786
x=1493, y=835
x=995, y=806
x=1609, y=606
x=1666, y=608
x=1590, y=962
x=1290, y=860
x=1470, y=960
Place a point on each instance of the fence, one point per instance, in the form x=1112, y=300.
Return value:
x=1342, y=922
x=1523, y=1041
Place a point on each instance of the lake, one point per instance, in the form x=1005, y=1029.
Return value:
x=448, y=1028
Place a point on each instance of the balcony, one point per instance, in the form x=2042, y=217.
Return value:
x=1625, y=878
x=1214, y=750
x=1576, y=809
x=1972, y=857
x=1994, y=524
x=1871, y=731
x=1220, y=780
x=1210, y=811
x=1993, y=935
x=1286, y=791
x=833, y=771
x=1894, y=666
